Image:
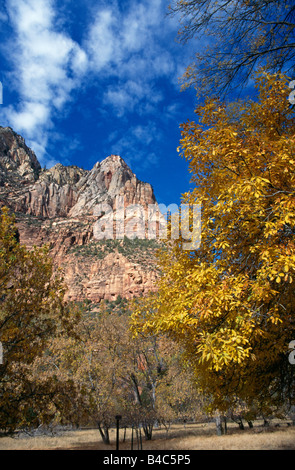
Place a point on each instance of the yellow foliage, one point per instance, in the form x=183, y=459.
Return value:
x=31, y=312
x=231, y=302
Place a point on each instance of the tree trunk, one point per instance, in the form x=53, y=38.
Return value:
x=140, y=439
x=219, y=428
x=147, y=428
x=148, y=431
x=135, y=389
x=225, y=424
x=241, y=425
x=104, y=432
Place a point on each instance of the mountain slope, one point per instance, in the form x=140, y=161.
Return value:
x=63, y=207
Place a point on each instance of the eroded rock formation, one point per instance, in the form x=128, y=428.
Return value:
x=60, y=207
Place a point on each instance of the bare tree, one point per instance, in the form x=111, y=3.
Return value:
x=241, y=35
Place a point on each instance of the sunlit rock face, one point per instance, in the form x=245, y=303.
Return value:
x=62, y=207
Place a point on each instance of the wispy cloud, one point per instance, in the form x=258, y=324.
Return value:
x=138, y=146
x=129, y=48
x=121, y=51
x=101, y=42
x=48, y=65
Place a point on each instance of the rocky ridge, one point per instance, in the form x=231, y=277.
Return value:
x=63, y=206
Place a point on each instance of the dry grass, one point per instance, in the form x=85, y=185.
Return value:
x=192, y=437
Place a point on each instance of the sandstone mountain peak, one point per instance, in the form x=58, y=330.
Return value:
x=58, y=206
x=114, y=164
x=114, y=159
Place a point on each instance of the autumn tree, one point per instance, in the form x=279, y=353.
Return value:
x=158, y=383
x=32, y=310
x=177, y=399
x=112, y=373
x=97, y=362
x=234, y=39
x=92, y=361
x=230, y=304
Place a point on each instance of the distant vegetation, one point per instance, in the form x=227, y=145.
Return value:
x=120, y=305
x=138, y=250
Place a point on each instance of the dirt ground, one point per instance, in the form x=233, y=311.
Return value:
x=278, y=436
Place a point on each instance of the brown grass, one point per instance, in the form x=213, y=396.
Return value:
x=191, y=437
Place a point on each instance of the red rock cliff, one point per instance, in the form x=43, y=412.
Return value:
x=60, y=207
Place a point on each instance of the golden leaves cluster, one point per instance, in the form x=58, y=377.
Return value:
x=231, y=303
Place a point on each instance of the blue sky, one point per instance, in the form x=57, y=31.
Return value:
x=85, y=79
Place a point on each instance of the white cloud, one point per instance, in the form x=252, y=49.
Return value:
x=30, y=116
x=124, y=52
x=124, y=96
x=32, y=15
x=114, y=37
x=136, y=26
x=129, y=49
x=145, y=134
x=48, y=65
x=101, y=42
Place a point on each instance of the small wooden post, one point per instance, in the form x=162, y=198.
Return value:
x=118, y=417
x=132, y=438
x=140, y=438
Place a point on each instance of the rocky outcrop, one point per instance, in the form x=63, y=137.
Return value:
x=62, y=207
x=18, y=163
x=107, y=278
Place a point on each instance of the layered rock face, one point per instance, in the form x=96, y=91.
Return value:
x=69, y=209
